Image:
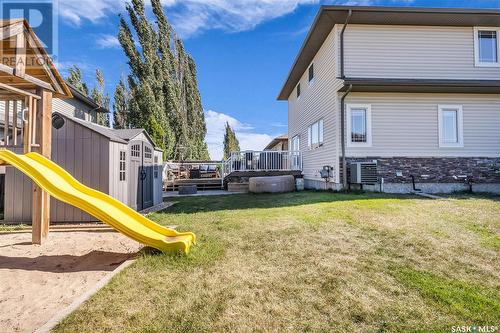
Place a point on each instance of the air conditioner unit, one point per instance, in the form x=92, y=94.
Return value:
x=363, y=173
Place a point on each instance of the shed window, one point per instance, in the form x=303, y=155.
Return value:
x=450, y=126
x=298, y=90
x=487, y=46
x=315, y=134
x=122, y=165
x=156, y=167
x=359, y=125
x=311, y=73
x=148, y=153
x=136, y=150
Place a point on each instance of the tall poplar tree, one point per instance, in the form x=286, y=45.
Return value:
x=164, y=96
x=120, y=106
x=231, y=143
x=101, y=98
x=75, y=78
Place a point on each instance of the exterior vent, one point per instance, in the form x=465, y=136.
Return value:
x=363, y=173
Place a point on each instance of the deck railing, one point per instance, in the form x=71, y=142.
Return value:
x=269, y=160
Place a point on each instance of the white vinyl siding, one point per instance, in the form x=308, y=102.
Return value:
x=487, y=47
x=318, y=101
x=407, y=125
x=417, y=52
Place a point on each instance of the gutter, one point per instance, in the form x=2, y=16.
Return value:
x=342, y=134
x=342, y=74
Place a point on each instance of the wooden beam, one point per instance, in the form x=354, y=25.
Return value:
x=6, y=123
x=11, y=30
x=18, y=91
x=29, y=78
x=41, y=199
x=20, y=69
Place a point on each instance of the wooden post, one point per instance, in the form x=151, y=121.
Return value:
x=41, y=199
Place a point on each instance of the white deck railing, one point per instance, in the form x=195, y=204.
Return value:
x=270, y=160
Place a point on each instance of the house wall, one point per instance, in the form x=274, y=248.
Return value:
x=118, y=189
x=74, y=108
x=81, y=152
x=407, y=125
x=434, y=52
x=317, y=101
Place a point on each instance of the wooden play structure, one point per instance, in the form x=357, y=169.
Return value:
x=28, y=82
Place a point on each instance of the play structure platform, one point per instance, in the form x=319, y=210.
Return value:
x=61, y=185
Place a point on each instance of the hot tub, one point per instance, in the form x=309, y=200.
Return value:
x=274, y=184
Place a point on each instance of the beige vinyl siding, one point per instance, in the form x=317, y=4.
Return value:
x=317, y=101
x=74, y=108
x=413, y=52
x=407, y=125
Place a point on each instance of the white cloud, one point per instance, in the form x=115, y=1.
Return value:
x=248, y=138
x=75, y=11
x=107, y=41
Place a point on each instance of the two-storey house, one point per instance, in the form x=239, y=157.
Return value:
x=415, y=91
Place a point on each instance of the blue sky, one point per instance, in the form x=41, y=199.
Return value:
x=243, y=50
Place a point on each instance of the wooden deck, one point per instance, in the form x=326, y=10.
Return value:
x=202, y=184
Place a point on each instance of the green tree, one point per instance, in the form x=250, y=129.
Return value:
x=75, y=78
x=231, y=143
x=101, y=98
x=164, y=96
x=120, y=106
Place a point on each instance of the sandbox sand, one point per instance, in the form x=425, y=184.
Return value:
x=36, y=282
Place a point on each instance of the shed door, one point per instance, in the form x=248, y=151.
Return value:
x=135, y=175
x=147, y=176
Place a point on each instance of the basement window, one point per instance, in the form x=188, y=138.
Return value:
x=359, y=125
x=122, y=165
x=450, y=126
x=487, y=46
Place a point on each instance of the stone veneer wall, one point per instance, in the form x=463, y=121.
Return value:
x=483, y=170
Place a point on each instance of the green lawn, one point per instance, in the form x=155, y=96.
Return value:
x=312, y=261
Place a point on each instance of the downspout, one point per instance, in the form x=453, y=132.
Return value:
x=342, y=74
x=342, y=134
x=342, y=101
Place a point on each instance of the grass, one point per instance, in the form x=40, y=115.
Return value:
x=12, y=227
x=311, y=261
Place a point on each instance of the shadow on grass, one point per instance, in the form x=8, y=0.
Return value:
x=189, y=205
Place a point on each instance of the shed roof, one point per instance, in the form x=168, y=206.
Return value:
x=104, y=131
x=328, y=16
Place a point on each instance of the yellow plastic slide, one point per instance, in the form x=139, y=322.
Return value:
x=62, y=186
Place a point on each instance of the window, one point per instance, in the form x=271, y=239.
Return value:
x=136, y=150
x=359, y=125
x=298, y=90
x=450, y=126
x=156, y=167
x=311, y=73
x=315, y=134
x=122, y=165
x=486, y=46
x=148, y=152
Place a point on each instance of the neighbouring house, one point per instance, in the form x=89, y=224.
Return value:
x=278, y=143
x=122, y=163
x=414, y=93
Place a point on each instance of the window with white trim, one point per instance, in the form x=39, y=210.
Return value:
x=298, y=90
x=487, y=46
x=122, y=165
x=359, y=125
x=311, y=73
x=315, y=134
x=295, y=143
x=450, y=121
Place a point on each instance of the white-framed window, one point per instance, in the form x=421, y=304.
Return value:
x=156, y=167
x=295, y=144
x=311, y=73
x=487, y=46
x=122, y=170
x=315, y=134
x=298, y=90
x=450, y=120
x=359, y=125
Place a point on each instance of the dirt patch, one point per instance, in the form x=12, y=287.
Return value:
x=39, y=281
